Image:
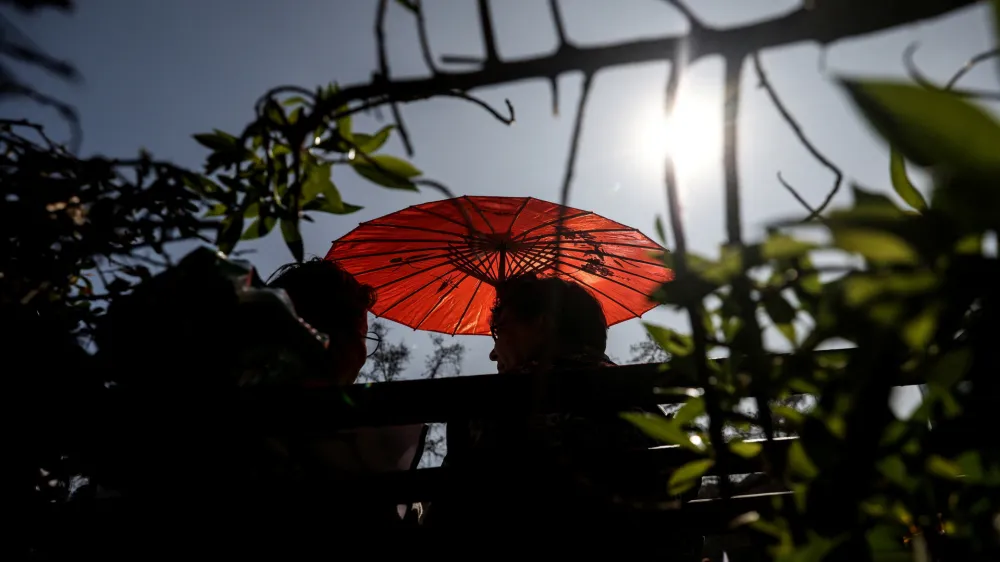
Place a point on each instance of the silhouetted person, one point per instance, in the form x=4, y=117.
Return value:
x=551, y=483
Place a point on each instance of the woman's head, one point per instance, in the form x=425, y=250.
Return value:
x=537, y=316
x=332, y=301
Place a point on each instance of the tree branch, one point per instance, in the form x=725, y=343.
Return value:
x=829, y=21
x=917, y=76
x=797, y=129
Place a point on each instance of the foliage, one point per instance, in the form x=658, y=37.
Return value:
x=921, y=307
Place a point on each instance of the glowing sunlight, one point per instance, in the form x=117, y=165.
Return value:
x=693, y=136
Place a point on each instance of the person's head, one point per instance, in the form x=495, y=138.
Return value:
x=332, y=301
x=534, y=317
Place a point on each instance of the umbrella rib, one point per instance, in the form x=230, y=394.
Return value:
x=625, y=271
x=619, y=257
x=535, y=255
x=441, y=300
x=615, y=281
x=391, y=253
x=595, y=230
x=400, y=264
x=405, y=277
x=609, y=297
x=467, y=306
x=420, y=229
x=553, y=221
x=517, y=214
x=408, y=295
x=439, y=215
x=481, y=213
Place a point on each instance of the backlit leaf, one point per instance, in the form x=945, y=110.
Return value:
x=259, y=228
x=929, y=127
x=387, y=171
x=687, y=475
x=370, y=143
x=782, y=246
x=669, y=340
x=293, y=238
x=943, y=467
x=662, y=429
x=747, y=450
x=901, y=182
x=875, y=245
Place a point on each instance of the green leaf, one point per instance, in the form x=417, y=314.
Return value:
x=687, y=475
x=662, y=429
x=950, y=368
x=387, y=171
x=370, y=143
x=258, y=228
x=691, y=409
x=943, y=467
x=217, y=141
x=322, y=205
x=894, y=469
x=229, y=233
x=929, y=127
x=344, y=125
x=919, y=331
x=669, y=340
x=660, y=232
x=800, y=462
x=293, y=238
x=294, y=100
x=875, y=246
x=318, y=182
x=901, y=182
x=971, y=466
x=782, y=246
x=217, y=210
x=745, y=449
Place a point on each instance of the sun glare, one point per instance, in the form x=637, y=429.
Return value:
x=692, y=137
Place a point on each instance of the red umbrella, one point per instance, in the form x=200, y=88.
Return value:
x=435, y=265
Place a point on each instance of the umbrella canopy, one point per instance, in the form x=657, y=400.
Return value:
x=435, y=265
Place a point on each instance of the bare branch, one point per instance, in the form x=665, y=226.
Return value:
x=800, y=134
x=425, y=44
x=505, y=119
x=970, y=64
x=694, y=310
x=917, y=76
x=824, y=24
x=813, y=212
x=557, y=22
x=383, y=75
x=574, y=140
x=683, y=8
x=489, y=36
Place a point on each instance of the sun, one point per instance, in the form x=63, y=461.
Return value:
x=692, y=136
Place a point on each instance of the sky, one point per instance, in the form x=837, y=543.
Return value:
x=156, y=72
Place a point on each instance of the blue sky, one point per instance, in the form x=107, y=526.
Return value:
x=155, y=72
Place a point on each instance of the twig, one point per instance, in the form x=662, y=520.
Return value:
x=812, y=211
x=800, y=134
x=557, y=22
x=489, y=36
x=824, y=24
x=570, y=168
x=425, y=44
x=505, y=119
x=917, y=76
x=683, y=8
x=695, y=310
x=383, y=75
